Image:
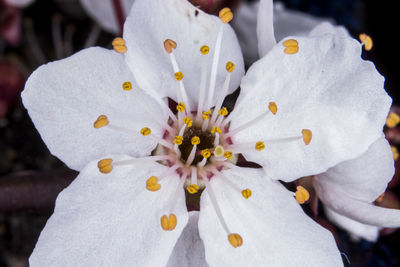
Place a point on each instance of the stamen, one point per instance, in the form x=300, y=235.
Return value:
x=260, y=146
x=307, y=136
x=92, y=36
x=206, y=117
x=119, y=45
x=195, y=141
x=395, y=153
x=302, y=195
x=101, y=121
x=229, y=67
x=168, y=223
x=127, y=86
x=380, y=198
x=133, y=161
x=188, y=121
x=228, y=154
x=147, y=132
x=216, y=129
x=181, y=107
x=392, y=120
x=216, y=139
x=203, y=81
x=68, y=40
x=272, y=107
x=57, y=36
x=105, y=165
x=234, y=239
x=206, y=153
x=192, y=189
x=194, y=175
x=152, y=184
x=225, y=15
x=246, y=193
x=366, y=41
x=291, y=46
x=169, y=45
x=33, y=42
x=178, y=140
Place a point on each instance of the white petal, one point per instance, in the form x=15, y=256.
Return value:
x=364, y=178
x=245, y=26
x=358, y=210
x=189, y=250
x=293, y=23
x=64, y=98
x=111, y=220
x=150, y=23
x=355, y=229
x=103, y=13
x=327, y=28
x=274, y=228
x=265, y=27
x=326, y=87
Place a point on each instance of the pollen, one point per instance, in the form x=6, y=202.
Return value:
x=260, y=145
x=230, y=66
x=216, y=129
x=235, y=240
x=105, y=166
x=228, y=154
x=307, y=136
x=195, y=140
x=145, y=131
x=219, y=151
x=302, y=194
x=273, y=107
x=127, y=86
x=152, y=184
x=206, y=153
x=291, y=46
x=119, y=45
x=246, y=193
x=204, y=49
x=395, y=153
x=392, y=120
x=206, y=115
x=366, y=40
x=223, y=111
x=188, y=121
x=178, y=76
x=168, y=223
x=380, y=198
x=181, y=107
x=178, y=140
x=192, y=189
x=226, y=15
x=169, y=45
x=101, y=121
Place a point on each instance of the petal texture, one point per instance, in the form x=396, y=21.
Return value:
x=150, y=23
x=112, y=220
x=265, y=27
x=64, y=99
x=274, y=228
x=189, y=250
x=325, y=87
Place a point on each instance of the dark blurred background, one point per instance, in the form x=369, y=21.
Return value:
x=30, y=178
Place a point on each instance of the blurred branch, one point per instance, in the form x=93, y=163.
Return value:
x=33, y=191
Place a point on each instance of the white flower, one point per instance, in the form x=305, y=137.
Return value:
x=309, y=104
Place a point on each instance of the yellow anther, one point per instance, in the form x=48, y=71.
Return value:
x=260, y=145
x=192, y=189
x=152, y=184
x=235, y=240
x=206, y=153
x=395, y=153
x=168, y=223
x=101, y=121
x=225, y=15
x=228, y=154
x=119, y=45
x=223, y=111
x=302, y=194
x=204, y=49
x=169, y=45
x=291, y=46
x=230, y=66
x=195, y=140
x=178, y=76
x=127, y=86
x=380, y=198
x=366, y=40
x=246, y=193
x=180, y=107
x=219, y=151
x=188, y=121
x=392, y=120
x=178, y=140
x=307, y=136
x=105, y=166
x=145, y=131
x=206, y=115
x=216, y=129
x=273, y=107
